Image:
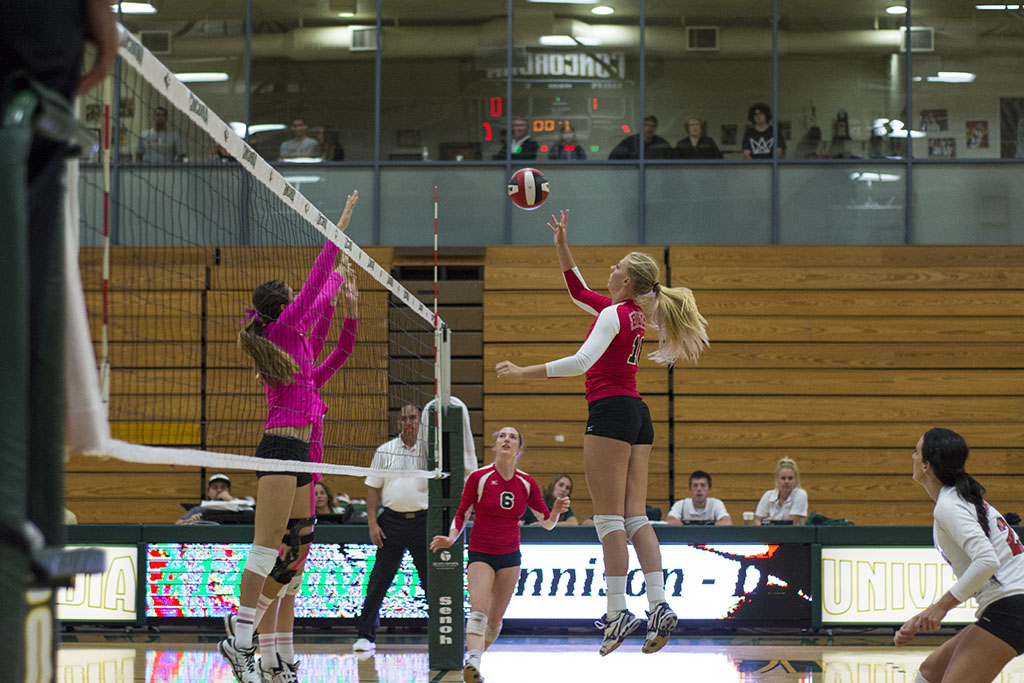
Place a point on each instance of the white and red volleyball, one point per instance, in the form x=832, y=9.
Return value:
x=528, y=188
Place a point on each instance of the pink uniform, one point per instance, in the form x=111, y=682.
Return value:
x=611, y=354
x=498, y=504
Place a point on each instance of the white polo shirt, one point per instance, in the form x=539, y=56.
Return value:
x=768, y=507
x=713, y=510
x=400, y=494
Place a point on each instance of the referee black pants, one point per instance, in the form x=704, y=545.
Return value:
x=401, y=533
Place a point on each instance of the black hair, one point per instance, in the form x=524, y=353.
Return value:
x=700, y=474
x=652, y=118
x=946, y=452
x=762, y=107
x=273, y=364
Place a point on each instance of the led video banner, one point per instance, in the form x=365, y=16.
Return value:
x=885, y=585
x=752, y=582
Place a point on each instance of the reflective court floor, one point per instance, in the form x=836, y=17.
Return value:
x=166, y=659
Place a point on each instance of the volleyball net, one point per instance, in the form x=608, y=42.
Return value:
x=180, y=220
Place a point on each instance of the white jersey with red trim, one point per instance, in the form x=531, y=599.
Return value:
x=610, y=355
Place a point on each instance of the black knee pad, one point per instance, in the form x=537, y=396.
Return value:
x=293, y=540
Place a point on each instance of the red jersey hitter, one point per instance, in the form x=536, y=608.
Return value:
x=619, y=433
x=987, y=559
x=498, y=495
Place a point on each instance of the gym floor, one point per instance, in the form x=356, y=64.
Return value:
x=839, y=659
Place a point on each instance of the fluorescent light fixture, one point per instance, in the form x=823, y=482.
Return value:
x=907, y=133
x=346, y=15
x=202, y=77
x=602, y=10
x=296, y=179
x=869, y=177
x=302, y=160
x=953, y=77
x=134, y=8
x=998, y=7
x=896, y=9
x=567, y=2
x=567, y=41
x=264, y=127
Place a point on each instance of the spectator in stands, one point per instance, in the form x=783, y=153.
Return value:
x=300, y=146
x=219, y=154
x=567, y=148
x=559, y=487
x=699, y=507
x=522, y=146
x=218, y=487
x=787, y=501
x=160, y=144
x=697, y=145
x=655, y=146
x=759, y=141
x=330, y=145
x=323, y=499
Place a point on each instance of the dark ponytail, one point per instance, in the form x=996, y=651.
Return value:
x=273, y=364
x=946, y=452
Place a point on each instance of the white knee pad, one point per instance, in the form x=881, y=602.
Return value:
x=261, y=560
x=606, y=524
x=491, y=634
x=294, y=585
x=634, y=524
x=919, y=678
x=476, y=624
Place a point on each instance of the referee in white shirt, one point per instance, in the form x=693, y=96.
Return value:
x=402, y=522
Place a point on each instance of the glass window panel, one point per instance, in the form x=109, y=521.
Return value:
x=443, y=79
x=601, y=201
x=575, y=70
x=968, y=203
x=471, y=205
x=711, y=61
x=708, y=203
x=967, y=81
x=842, y=203
x=842, y=85
x=308, y=66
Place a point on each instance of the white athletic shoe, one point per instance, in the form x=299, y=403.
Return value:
x=616, y=630
x=363, y=645
x=242, y=661
x=660, y=623
x=285, y=672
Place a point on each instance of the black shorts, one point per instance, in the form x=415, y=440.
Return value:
x=277, y=447
x=623, y=418
x=496, y=562
x=1004, y=619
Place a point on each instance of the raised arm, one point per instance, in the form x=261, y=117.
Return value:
x=558, y=227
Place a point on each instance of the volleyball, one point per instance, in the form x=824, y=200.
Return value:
x=528, y=188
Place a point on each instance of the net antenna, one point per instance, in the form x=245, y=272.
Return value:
x=172, y=248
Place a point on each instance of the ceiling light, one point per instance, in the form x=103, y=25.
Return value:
x=133, y=8
x=202, y=77
x=263, y=127
x=602, y=10
x=953, y=77
x=567, y=41
x=568, y=2
x=998, y=7
x=346, y=15
x=896, y=9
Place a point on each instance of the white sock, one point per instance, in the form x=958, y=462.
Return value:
x=616, y=595
x=268, y=653
x=655, y=588
x=262, y=605
x=244, y=626
x=473, y=657
x=919, y=678
x=286, y=647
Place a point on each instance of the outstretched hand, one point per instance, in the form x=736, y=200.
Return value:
x=439, y=542
x=561, y=505
x=507, y=368
x=561, y=224
x=346, y=215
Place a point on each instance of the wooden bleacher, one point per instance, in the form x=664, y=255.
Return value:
x=836, y=356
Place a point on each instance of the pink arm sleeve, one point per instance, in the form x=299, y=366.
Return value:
x=340, y=354
x=297, y=315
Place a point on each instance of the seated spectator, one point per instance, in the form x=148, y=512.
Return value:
x=300, y=146
x=522, y=146
x=787, y=501
x=759, y=140
x=655, y=146
x=559, y=487
x=696, y=145
x=324, y=500
x=699, y=507
x=220, y=155
x=567, y=148
x=159, y=144
x=330, y=145
x=218, y=492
